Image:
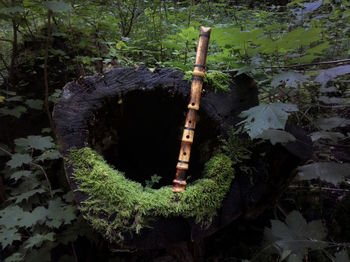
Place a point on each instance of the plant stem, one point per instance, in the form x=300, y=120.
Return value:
x=46, y=80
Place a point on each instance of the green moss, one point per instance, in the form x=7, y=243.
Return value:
x=215, y=80
x=117, y=205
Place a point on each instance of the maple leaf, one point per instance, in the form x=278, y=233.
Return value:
x=266, y=116
x=49, y=155
x=290, y=78
x=7, y=236
x=24, y=196
x=38, y=239
x=328, y=171
x=22, y=173
x=296, y=235
x=18, y=160
x=35, y=142
x=60, y=213
x=10, y=216
x=277, y=136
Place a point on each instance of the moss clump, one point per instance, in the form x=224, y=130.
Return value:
x=117, y=205
x=216, y=80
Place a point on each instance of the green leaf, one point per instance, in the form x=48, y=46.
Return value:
x=8, y=236
x=290, y=78
x=59, y=212
x=330, y=89
x=68, y=197
x=35, y=103
x=11, y=215
x=328, y=171
x=11, y=10
x=15, y=257
x=332, y=100
x=277, y=136
x=32, y=218
x=332, y=122
x=285, y=254
x=327, y=75
x=38, y=239
x=16, y=112
x=49, y=155
x=296, y=235
x=18, y=160
x=35, y=142
x=58, y=6
x=46, y=130
x=334, y=136
x=22, y=173
x=266, y=116
x=27, y=195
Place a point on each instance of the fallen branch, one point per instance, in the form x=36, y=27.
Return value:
x=342, y=61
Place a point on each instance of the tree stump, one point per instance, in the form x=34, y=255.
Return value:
x=134, y=119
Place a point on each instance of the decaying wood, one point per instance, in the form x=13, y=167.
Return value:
x=248, y=195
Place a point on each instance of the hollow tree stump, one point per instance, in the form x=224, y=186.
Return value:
x=134, y=119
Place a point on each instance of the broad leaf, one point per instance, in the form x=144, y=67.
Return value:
x=277, y=136
x=35, y=103
x=18, y=160
x=332, y=100
x=334, y=136
x=38, y=239
x=330, y=172
x=290, y=78
x=31, y=218
x=22, y=173
x=49, y=155
x=266, y=116
x=332, y=122
x=11, y=10
x=15, y=257
x=26, y=195
x=296, y=235
x=330, y=89
x=35, y=142
x=7, y=236
x=11, y=215
x=16, y=112
x=327, y=75
x=60, y=213
x=58, y=6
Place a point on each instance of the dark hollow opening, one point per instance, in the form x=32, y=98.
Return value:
x=140, y=134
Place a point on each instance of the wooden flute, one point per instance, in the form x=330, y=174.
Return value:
x=179, y=183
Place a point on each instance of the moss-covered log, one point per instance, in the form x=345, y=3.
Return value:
x=132, y=120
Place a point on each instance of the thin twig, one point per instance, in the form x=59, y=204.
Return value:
x=343, y=61
x=35, y=165
x=5, y=40
x=322, y=188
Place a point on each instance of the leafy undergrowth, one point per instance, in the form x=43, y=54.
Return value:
x=297, y=52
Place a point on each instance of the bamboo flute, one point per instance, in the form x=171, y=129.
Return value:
x=179, y=183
